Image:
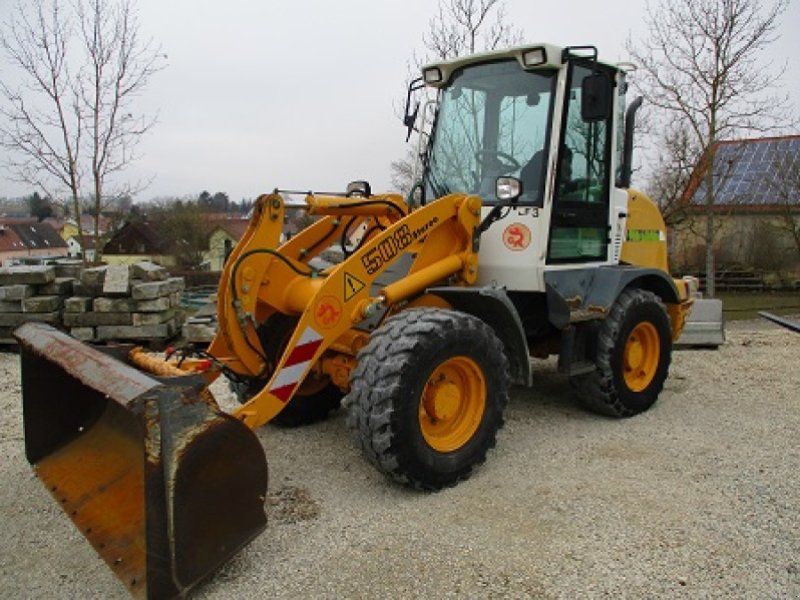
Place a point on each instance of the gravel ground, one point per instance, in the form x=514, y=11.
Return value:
x=696, y=498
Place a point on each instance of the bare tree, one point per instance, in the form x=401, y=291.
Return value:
x=701, y=70
x=467, y=26
x=68, y=122
x=42, y=122
x=673, y=167
x=402, y=171
x=459, y=27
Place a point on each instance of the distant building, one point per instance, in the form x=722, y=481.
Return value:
x=142, y=239
x=76, y=248
x=27, y=239
x=136, y=241
x=225, y=234
x=757, y=201
x=68, y=228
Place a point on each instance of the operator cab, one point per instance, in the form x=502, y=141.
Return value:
x=544, y=116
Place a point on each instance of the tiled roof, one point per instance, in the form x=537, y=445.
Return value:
x=138, y=237
x=15, y=235
x=87, y=223
x=9, y=240
x=233, y=227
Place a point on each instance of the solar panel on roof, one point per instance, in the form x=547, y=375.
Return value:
x=749, y=172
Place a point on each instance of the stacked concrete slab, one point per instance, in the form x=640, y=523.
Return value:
x=124, y=302
x=33, y=293
x=201, y=327
x=118, y=302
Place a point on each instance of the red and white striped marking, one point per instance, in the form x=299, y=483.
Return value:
x=296, y=365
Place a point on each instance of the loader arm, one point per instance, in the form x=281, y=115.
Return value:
x=238, y=310
x=260, y=280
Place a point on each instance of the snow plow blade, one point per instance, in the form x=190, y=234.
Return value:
x=164, y=485
x=705, y=326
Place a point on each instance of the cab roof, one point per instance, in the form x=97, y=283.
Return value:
x=529, y=56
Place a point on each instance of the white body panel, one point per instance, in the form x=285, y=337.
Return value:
x=506, y=259
x=519, y=264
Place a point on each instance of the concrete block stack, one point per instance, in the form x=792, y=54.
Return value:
x=201, y=327
x=124, y=302
x=31, y=293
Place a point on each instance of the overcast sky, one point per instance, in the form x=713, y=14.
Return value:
x=301, y=95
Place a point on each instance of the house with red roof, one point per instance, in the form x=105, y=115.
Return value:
x=26, y=240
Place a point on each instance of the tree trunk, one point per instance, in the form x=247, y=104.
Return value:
x=709, y=210
x=710, y=263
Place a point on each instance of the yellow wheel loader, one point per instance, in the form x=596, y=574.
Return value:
x=522, y=238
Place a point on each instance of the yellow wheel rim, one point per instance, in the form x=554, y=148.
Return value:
x=452, y=404
x=641, y=358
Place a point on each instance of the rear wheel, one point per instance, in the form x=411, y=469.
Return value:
x=314, y=400
x=634, y=347
x=427, y=396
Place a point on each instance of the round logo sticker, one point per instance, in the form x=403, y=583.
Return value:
x=517, y=237
x=328, y=312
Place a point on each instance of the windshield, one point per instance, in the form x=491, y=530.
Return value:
x=493, y=120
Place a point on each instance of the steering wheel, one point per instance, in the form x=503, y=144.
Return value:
x=507, y=162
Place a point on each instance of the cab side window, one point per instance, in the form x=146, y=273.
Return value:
x=579, y=229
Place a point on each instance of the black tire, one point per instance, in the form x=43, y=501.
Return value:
x=621, y=387
x=306, y=408
x=393, y=397
x=314, y=400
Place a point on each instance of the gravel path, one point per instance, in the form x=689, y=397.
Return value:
x=697, y=498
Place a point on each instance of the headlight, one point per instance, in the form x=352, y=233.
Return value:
x=508, y=188
x=432, y=75
x=534, y=57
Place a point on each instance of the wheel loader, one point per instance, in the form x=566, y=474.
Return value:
x=521, y=239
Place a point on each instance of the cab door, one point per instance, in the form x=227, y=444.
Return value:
x=579, y=223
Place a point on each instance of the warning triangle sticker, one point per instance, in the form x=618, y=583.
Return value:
x=352, y=285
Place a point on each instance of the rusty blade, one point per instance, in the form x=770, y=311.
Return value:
x=99, y=481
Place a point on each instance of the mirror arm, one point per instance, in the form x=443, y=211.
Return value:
x=491, y=218
x=410, y=119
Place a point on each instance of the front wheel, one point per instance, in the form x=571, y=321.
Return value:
x=427, y=397
x=634, y=347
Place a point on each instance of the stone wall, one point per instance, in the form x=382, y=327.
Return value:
x=138, y=302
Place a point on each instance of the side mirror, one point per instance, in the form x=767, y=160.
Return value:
x=358, y=189
x=416, y=196
x=409, y=115
x=409, y=121
x=595, y=97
